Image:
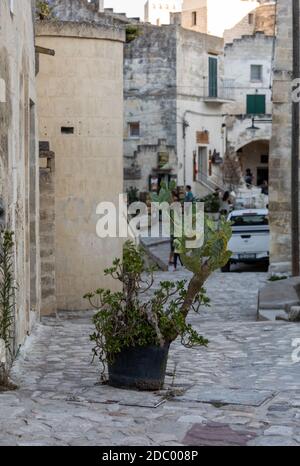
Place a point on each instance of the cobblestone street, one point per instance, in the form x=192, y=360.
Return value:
x=243, y=389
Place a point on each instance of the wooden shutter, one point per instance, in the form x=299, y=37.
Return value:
x=256, y=104
x=213, y=77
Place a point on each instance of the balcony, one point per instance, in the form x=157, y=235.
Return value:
x=221, y=93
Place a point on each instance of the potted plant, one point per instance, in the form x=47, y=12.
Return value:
x=133, y=335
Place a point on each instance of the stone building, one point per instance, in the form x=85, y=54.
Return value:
x=281, y=148
x=19, y=188
x=158, y=12
x=80, y=109
x=215, y=16
x=261, y=19
x=248, y=63
x=174, y=98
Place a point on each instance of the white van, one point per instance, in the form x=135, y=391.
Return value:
x=250, y=240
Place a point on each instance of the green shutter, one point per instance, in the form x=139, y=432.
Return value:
x=213, y=77
x=256, y=104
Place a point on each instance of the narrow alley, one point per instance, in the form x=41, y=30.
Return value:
x=242, y=390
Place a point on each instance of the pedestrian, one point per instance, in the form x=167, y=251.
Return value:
x=249, y=177
x=175, y=198
x=189, y=196
x=265, y=188
x=177, y=251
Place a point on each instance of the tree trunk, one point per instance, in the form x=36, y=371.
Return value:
x=195, y=286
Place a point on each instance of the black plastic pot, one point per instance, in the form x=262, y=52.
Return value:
x=141, y=368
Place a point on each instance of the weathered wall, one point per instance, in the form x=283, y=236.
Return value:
x=150, y=97
x=19, y=188
x=214, y=16
x=280, y=151
x=250, y=50
x=198, y=113
x=166, y=83
x=47, y=231
x=158, y=12
x=263, y=20
x=82, y=88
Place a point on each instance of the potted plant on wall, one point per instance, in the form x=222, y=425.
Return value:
x=133, y=335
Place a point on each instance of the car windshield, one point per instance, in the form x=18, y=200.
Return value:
x=249, y=220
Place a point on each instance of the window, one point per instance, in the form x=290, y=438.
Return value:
x=256, y=72
x=213, y=77
x=194, y=18
x=249, y=220
x=256, y=104
x=251, y=18
x=202, y=163
x=264, y=159
x=134, y=130
x=67, y=130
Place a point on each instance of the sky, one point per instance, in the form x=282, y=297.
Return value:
x=131, y=7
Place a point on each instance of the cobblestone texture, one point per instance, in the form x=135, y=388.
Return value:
x=59, y=402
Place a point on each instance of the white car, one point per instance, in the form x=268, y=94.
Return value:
x=250, y=240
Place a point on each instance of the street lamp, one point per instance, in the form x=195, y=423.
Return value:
x=255, y=128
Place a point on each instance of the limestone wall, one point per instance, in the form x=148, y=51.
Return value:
x=80, y=108
x=280, y=152
x=262, y=20
x=150, y=98
x=47, y=230
x=214, y=16
x=19, y=189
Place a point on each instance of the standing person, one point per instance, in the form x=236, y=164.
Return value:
x=265, y=188
x=175, y=198
x=189, y=196
x=176, y=253
x=249, y=177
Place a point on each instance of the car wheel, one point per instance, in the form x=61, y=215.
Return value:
x=226, y=268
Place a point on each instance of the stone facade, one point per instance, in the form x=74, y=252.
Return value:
x=262, y=19
x=47, y=229
x=249, y=147
x=214, y=16
x=280, y=153
x=80, y=108
x=19, y=188
x=167, y=100
x=158, y=12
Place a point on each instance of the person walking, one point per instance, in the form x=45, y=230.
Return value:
x=189, y=196
x=177, y=252
x=249, y=177
x=175, y=198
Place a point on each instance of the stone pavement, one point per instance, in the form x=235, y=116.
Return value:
x=244, y=389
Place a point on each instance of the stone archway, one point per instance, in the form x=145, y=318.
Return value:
x=255, y=156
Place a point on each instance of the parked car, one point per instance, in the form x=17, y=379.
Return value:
x=250, y=240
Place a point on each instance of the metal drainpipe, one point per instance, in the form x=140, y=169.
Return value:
x=295, y=147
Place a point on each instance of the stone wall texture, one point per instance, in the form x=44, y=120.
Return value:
x=80, y=108
x=19, y=189
x=47, y=234
x=280, y=152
